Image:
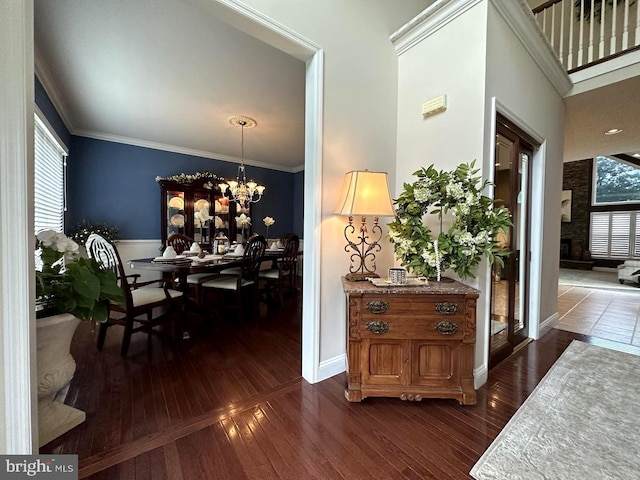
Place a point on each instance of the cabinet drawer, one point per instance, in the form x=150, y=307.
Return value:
x=402, y=317
x=412, y=327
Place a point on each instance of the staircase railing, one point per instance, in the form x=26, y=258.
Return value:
x=586, y=32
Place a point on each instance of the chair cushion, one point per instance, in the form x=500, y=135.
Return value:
x=270, y=273
x=226, y=283
x=199, y=278
x=147, y=295
x=231, y=271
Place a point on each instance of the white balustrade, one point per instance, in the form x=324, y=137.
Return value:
x=592, y=25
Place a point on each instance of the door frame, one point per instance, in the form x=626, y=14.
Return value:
x=522, y=143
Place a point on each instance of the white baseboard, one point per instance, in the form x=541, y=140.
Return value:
x=548, y=324
x=480, y=376
x=331, y=367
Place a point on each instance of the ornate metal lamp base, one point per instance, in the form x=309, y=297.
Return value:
x=360, y=276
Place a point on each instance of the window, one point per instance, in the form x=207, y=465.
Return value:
x=615, y=181
x=615, y=234
x=49, y=187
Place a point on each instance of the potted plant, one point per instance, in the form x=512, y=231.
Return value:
x=69, y=289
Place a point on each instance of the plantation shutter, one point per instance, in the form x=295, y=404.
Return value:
x=620, y=234
x=49, y=186
x=599, y=244
x=615, y=234
x=636, y=236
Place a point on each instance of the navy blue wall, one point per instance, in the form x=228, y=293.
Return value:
x=115, y=183
x=46, y=107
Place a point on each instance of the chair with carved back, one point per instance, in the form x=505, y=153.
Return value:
x=283, y=276
x=244, y=281
x=140, y=299
x=180, y=244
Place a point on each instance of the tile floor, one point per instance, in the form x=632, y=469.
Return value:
x=595, y=304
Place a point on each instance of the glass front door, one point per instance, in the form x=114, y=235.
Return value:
x=509, y=286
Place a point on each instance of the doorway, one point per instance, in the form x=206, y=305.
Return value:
x=510, y=282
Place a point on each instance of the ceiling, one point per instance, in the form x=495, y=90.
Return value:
x=168, y=74
x=590, y=114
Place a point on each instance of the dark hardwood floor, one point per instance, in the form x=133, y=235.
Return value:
x=230, y=404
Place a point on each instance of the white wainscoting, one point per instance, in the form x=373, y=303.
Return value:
x=130, y=249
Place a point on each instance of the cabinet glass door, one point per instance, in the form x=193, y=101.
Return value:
x=176, y=217
x=222, y=216
x=202, y=218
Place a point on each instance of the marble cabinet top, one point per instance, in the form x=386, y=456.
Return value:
x=429, y=287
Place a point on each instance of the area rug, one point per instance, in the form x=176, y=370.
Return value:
x=582, y=421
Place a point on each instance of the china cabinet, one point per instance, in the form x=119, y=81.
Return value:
x=410, y=342
x=196, y=209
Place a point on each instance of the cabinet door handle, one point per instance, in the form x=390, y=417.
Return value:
x=377, y=306
x=378, y=327
x=446, y=328
x=447, y=308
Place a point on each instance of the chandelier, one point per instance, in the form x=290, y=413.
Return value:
x=241, y=191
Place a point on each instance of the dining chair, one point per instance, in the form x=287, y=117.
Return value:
x=283, y=275
x=245, y=280
x=181, y=243
x=140, y=299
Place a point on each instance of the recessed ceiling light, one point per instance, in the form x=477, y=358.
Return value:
x=637, y=155
x=613, y=131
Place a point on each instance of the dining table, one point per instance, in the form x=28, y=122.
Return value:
x=182, y=266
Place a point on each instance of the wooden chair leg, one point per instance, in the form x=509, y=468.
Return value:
x=126, y=338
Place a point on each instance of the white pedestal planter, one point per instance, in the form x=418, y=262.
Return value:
x=56, y=367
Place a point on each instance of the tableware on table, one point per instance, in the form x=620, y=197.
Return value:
x=195, y=248
x=169, y=253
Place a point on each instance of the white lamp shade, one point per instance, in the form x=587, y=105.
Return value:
x=365, y=193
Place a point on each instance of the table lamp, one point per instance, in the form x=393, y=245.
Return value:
x=364, y=193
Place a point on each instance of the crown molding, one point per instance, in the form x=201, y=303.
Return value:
x=46, y=79
x=518, y=15
x=182, y=150
x=429, y=21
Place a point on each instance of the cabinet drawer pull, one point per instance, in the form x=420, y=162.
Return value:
x=377, y=306
x=378, y=327
x=446, y=328
x=447, y=308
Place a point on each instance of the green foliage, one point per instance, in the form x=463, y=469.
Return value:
x=616, y=181
x=82, y=230
x=471, y=236
x=67, y=283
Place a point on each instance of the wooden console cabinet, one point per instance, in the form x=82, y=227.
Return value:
x=411, y=342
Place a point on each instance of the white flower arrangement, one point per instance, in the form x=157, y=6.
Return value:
x=192, y=177
x=243, y=221
x=476, y=222
x=268, y=221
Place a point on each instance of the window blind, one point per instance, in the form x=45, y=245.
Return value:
x=49, y=186
x=615, y=234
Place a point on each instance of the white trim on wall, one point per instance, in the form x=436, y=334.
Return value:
x=428, y=21
x=266, y=29
x=547, y=325
x=518, y=15
x=18, y=402
x=185, y=151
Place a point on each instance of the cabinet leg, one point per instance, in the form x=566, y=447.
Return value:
x=353, y=395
